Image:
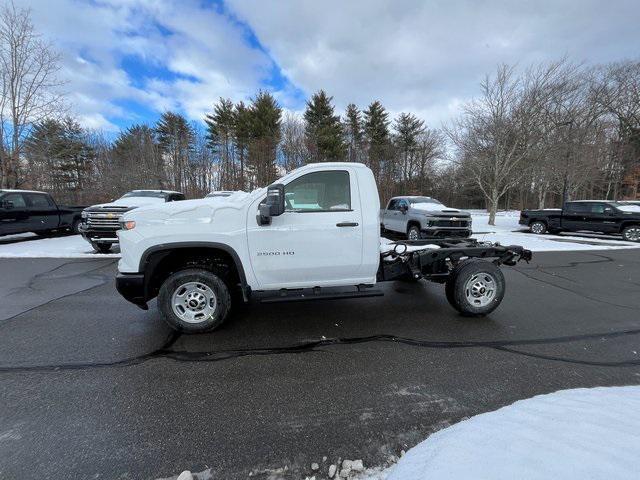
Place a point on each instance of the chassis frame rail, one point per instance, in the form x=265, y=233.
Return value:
x=436, y=264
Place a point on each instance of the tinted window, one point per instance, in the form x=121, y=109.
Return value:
x=403, y=203
x=16, y=198
x=579, y=207
x=599, y=207
x=38, y=201
x=393, y=205
x=319, y=191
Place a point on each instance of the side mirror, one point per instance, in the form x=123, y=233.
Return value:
x=404, y=208
x=608, y=211
x=273, y=205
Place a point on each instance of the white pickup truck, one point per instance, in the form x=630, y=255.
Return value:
x=315, y=234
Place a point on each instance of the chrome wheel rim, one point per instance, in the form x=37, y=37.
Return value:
x=633, y=234
x=480, y=289
x=194, y=302
x=537, y=228
x=413, y=234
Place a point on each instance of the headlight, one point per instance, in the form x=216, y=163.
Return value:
x=84, y=214
x=128, y=225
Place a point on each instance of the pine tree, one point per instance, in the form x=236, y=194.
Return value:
x=220, y=135
x=265, y=119
x=175, y=140
x=323, y=129
x=242, y=137
x=376, y=135
x=408, y=129
x=59, y=158
x=137, y=160
x=352, y=127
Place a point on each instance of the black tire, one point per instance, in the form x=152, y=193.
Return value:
x=415, y=230
x=456, y=288
x=631, y=233
x=177, y=281
x=75, y=227
x=103, y=247
x=538, y=227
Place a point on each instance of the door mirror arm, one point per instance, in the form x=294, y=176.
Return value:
x=273, y=205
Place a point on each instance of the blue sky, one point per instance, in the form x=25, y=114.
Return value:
x=126, y=61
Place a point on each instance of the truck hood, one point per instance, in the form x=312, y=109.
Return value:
x=130, y=202
x=192, y=211
x=432, y=209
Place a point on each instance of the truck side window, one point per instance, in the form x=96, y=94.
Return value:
x=16, y=198
x=38, y=201
x=393, y=205
x=319, y=192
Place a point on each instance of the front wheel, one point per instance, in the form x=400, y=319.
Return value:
x=631, y=233
x=194, y=301
x=538, y=228
x=413, y=233
x=475, y=288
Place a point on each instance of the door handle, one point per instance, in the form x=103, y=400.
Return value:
x=347, y=224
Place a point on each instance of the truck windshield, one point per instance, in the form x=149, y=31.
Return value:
x=144, y=194
x=413, y=200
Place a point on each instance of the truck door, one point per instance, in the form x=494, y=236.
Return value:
x=601, y=218
x=317, y=241
x=574, y=216
x=43, y=213
x=391, y=215
x=13, y=214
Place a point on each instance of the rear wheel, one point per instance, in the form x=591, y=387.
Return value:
x=194, y=301
x=538, y=227
x=631, y=233
x=413, y=233
x=102, y=247
x=75, y=227
x=475, y=288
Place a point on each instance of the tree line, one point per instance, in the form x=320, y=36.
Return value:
x=532, y=137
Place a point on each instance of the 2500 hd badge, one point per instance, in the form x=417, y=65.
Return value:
x=275, y=254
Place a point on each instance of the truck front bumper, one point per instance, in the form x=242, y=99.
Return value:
x=132, y=287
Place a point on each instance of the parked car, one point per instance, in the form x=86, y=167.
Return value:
x=219, y=193
x=420, y=217
x=195, y=255
x=101, y=222
x=24, y=211
x=602, y=216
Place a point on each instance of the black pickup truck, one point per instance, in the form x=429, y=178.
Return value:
x=24, y=211
x=603, y=216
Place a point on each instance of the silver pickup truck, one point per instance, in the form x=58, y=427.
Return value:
x=424, y=217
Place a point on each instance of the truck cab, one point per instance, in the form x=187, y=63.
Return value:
x=314, y=231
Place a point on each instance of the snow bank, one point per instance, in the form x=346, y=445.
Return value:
x=570, y=434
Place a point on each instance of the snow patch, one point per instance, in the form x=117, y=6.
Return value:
x=570, y=434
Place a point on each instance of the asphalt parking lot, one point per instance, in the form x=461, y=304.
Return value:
x=93, y=387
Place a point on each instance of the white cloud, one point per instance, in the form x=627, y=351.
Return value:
x=207, y=54
x=425, y=56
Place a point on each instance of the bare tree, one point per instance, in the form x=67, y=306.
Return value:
x=293, y=142
x=29, y=68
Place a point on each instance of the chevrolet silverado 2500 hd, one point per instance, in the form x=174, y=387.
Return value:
x=420, y=217
x=100, y=222
x=313, y=235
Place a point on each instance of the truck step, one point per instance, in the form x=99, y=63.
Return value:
x=307, y=295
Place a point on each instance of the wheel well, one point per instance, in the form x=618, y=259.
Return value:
x=413, y=223
x=534, y=220
x=161, y=264
x=628, y=224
